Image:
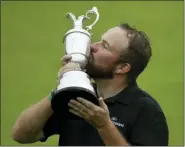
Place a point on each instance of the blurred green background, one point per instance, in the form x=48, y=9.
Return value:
x=31, y=49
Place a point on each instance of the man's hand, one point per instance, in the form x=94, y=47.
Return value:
x=98, y=116
x=67, y=66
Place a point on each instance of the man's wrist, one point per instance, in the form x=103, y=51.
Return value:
x=50, y=96
x=111, y=135
x=107, y=126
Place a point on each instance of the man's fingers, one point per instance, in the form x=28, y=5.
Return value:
x=79, y=108
x=68, y=67
x=60, y=73
x=87, y=103
x=102, y=103
x=75, y=113
x=65, y=59
x=73, y=106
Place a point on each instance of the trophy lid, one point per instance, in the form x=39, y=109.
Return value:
x=78, y=23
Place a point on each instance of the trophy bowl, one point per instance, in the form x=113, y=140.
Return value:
x=74, y=84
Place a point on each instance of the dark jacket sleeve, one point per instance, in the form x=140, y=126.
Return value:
x=52, y=127
x=151, y=127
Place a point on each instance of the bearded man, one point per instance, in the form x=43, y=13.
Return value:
x=126, y=114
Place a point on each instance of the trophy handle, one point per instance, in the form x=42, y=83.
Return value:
x=76, y=22
x=94, y=10
x=71, y=16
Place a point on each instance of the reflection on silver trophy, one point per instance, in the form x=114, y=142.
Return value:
x=75, y=84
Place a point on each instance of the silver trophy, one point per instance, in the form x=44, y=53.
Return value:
x=75, y=84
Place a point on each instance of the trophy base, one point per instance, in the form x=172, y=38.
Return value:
x=62, y=97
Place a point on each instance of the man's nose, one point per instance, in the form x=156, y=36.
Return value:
x=94, y=48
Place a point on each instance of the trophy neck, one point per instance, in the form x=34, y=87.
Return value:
x=78, y=23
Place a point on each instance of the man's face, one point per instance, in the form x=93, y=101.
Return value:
x=106, y=52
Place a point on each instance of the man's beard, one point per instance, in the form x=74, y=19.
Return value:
x=96, y=72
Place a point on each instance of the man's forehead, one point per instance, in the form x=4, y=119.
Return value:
x=115, y=31
x=116, y=36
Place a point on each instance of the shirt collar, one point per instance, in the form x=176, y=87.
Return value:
x=125, y=96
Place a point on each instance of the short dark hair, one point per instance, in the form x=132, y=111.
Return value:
x=138, y=52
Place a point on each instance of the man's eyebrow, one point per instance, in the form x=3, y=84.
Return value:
x=105, y=41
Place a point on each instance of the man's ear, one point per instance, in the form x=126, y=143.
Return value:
x=122, y=68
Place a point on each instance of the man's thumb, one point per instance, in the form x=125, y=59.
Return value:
x=102, y=103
